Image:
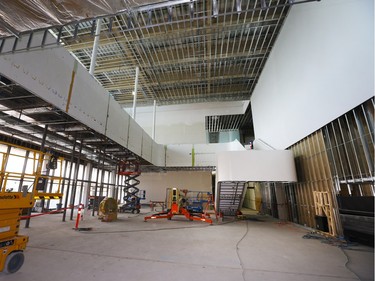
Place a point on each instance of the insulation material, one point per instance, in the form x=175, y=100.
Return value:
x=19, y=16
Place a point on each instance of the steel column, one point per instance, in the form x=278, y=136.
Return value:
x=112, y=191
x=75, y=177
x=96, y=184
x=102, y=179
x=95, y=47
x=23, y=170
x=154, y=121
x=86, y=187
x=135, y=92
x=69, y=179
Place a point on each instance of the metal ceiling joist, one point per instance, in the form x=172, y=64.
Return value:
x=187, y=51
x=162, y=38
x=190, y=60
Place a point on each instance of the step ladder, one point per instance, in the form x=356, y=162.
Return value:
x=229, y=197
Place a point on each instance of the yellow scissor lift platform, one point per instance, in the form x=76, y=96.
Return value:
x=12, y=203
x=12, y=244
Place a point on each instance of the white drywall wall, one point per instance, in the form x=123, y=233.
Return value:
x=256, y=165
x=156, y=184
x=48, y=73
x=187, y=155
x=321, y=66
x=185, y=123
x=119, y=133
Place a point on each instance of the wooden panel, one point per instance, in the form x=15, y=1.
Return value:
x=334, y=160
x=314, y=174
x=324, y=207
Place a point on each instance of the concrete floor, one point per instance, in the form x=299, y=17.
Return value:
x=259, y=248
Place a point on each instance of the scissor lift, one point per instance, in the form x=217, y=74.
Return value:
x=130, y=168
x=12, y=202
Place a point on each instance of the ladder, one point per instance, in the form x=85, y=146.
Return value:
x=229, y=197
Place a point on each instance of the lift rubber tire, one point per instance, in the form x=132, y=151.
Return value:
x=14, y=262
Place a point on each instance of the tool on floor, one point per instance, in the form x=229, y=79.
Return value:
x=179, y=206
x=108, y=209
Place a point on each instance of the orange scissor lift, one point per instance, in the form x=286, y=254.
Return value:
x=12, y=202
x=177, y=208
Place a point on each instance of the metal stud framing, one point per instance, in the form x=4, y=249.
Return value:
x=187, y=52
x=335, y=159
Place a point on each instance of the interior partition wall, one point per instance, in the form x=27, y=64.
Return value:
x=337, y=159
x=314, y=174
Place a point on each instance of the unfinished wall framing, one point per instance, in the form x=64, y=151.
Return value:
x=336, y=160
x=314, y=174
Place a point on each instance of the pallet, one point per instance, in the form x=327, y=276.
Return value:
x=323, y=207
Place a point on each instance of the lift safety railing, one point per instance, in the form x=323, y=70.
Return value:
x=31, y=183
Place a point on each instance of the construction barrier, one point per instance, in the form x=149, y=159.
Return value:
x=79, y=215
x=48, y=213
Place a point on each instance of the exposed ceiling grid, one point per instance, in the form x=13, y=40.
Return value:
x=186, y=52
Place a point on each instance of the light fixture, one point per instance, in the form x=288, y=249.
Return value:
x=149, y=12
x=170, y=13
x=238, y=6
x=215, y=8
x=192, y=9
x=263, y=4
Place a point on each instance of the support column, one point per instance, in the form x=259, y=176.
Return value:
x=23, y=170
x=135, y=92
x=112, y=182
x=80, y=198
x=69, y=179
x=86, y=185
x=154, y=121
x=117, y=195
x=75, y=179
x=101, y=188
x=95, y=47
x=282, y=208
x=60, y=204
x=96, y=198
x=46, y=172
